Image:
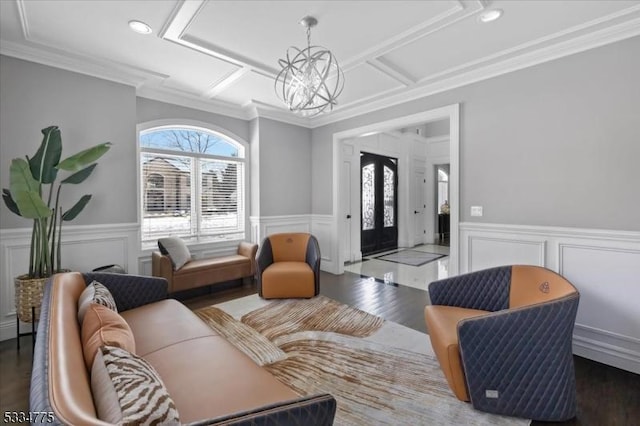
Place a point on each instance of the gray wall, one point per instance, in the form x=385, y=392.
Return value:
x=150, y=110
x=557, y=144
x=88, y=111
x=285, y=169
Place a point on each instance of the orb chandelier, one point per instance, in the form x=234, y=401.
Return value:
x=311, y=79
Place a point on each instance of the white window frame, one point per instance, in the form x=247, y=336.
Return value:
x=202, y=126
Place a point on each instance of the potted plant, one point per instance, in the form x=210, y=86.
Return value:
x=31, y=182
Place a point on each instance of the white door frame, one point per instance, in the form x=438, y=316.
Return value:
x=451, y=112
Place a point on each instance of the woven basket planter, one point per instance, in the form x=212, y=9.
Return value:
x=29, y=292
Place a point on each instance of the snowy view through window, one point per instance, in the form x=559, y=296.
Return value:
x=192, y=185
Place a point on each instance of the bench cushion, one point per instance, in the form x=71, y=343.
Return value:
x=201, y=272
x=442, y=325
x=198, y=265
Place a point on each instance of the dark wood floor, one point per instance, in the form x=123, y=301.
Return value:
x=606, y=395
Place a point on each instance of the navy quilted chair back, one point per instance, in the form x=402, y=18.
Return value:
x=517, y=356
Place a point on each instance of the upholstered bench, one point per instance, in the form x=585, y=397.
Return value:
x=183, y=273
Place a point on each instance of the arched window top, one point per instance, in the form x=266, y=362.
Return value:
x=187, y=139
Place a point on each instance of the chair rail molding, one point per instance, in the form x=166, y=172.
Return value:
x=84, y=247
x=603, y=264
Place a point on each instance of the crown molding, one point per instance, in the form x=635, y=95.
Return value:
x=186, y=100
x=261, y=110
x=612, y=34
x=148, y=83
x=69, y=61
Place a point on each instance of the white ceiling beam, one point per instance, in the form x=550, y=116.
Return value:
x=227, y=81
x=391, y=70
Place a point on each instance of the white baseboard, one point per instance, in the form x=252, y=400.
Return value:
x=604, y=265
x=606, y=347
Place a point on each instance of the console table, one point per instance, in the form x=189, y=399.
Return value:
x=443, y=225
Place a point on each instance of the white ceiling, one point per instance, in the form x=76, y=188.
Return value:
x=221, y=56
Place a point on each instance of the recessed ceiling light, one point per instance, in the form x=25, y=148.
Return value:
x=140, y=27
x=490, y=15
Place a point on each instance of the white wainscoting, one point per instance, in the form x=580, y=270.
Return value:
x=83, y=249
x=318, y=225
x=261, y=226
x=603, y=265
x=321, y=227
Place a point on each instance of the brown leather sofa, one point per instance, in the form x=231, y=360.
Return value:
x=202, y=272
x=210, y=381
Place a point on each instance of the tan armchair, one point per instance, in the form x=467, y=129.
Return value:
x=289, y=266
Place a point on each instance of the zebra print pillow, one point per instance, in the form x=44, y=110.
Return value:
x=128, y=391
x=95, y=293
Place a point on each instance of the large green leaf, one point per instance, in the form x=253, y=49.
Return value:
x=8, y=200
x=43, y=164
x=25, y=191
x=81, y=159
x=20, y=178
x=80, y=176
x=31, y=205
x=76, y=209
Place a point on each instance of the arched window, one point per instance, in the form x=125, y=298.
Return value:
x=193, y=184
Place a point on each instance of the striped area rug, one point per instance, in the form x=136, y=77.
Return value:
x=380, y=373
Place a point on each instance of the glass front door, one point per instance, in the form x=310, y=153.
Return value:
x=379, y=205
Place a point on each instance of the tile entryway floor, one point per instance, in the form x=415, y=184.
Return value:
x=397, y=273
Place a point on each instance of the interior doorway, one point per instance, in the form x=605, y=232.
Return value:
x=334, y=260
x=379, y=203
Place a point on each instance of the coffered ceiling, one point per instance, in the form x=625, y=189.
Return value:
x=221, y=56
